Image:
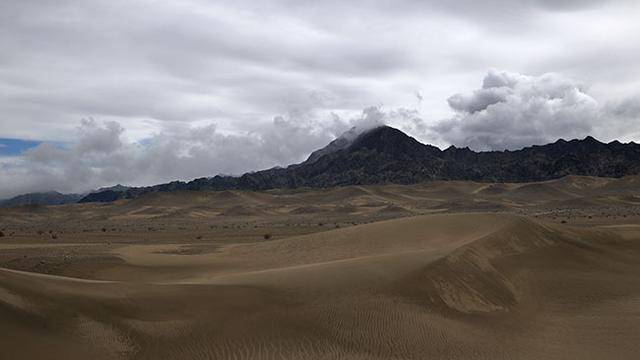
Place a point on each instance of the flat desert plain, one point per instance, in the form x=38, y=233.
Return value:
x=441, y=270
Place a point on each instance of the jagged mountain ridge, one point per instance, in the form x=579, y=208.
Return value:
x=387, y=155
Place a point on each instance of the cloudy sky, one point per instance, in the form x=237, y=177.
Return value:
x=94, y=93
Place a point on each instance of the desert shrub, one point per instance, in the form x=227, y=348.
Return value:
x=1, y=234
x=104, y=229
x=266, y=236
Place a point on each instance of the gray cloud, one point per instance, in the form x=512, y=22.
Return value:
x=620, y=120
x=238, y=62
x=162, y=72
x=509, y=111
x=100, y=155
x=512, y=110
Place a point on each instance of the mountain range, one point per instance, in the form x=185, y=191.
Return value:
x=53, y=197
x=41, y=198
x=387, y=155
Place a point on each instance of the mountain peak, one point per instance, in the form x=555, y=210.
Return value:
x=118, y=187
x=591, y=139
x=341, y=142
x=391, y=141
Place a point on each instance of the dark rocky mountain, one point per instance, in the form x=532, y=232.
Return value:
x=387, y=155
x=342, y=142
x=42, y=198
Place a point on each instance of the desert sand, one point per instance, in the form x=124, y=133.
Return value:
x=441, y=270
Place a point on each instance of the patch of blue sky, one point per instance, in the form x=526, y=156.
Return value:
x=16, y=147
x=11, y=147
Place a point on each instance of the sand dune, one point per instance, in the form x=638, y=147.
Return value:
x=514, y=284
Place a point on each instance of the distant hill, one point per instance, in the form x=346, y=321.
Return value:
x=41, y=198
x=118, y=187
x=387, y=155
x=57, y=198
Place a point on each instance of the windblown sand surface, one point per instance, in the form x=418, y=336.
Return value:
x=449, y=270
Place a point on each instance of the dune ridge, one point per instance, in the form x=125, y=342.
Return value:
x=439, y=276
x=469, y=270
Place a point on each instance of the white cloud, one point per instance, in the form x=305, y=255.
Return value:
x=512, y=110
x=101, y=156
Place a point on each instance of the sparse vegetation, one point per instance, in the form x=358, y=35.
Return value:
x=266, y=236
